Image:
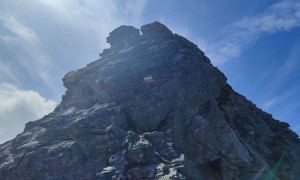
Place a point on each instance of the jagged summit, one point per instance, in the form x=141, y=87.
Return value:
x=156, y=30
x=125, y=36
x=152, y=107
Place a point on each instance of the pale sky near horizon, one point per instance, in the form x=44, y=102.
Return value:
x=255, y=43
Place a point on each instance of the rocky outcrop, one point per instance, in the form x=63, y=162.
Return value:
x=152, y=107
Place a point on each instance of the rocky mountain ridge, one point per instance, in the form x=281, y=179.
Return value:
x=152, y=107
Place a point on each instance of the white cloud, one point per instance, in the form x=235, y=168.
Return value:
x=6, y=73
x=270, y=103
x=282, y=16
x=94, y=19
x=27, y=55
x=291, y=65
x=18, y=106
x=19, y=29
x=281, y=75
x=286, y=97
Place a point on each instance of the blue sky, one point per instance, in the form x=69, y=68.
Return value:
x=255, y=43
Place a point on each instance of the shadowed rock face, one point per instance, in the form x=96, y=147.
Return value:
x=153, y=107
x=123, y=36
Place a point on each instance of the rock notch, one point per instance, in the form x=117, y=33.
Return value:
x=152, y=107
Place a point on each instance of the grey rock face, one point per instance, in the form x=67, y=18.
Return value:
x=153, y=107
x=156, y=31
x=123, y=36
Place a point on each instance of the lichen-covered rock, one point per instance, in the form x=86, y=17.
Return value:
x=153, y=107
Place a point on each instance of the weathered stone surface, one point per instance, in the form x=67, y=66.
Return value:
x=153, y=107
x=156, y=31
x=123, y=36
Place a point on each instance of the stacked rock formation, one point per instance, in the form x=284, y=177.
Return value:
x=152, y=107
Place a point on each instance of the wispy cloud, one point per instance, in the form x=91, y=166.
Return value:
x=286, y=98
x=291, y=65
x=270, y=103
x=18, y=106
x=96, y=18
x=282, y=16
x=282, y=88
x=7, y=74
x=23, y=32
x=282, y=75
x=284, y=105
x=27, y=55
